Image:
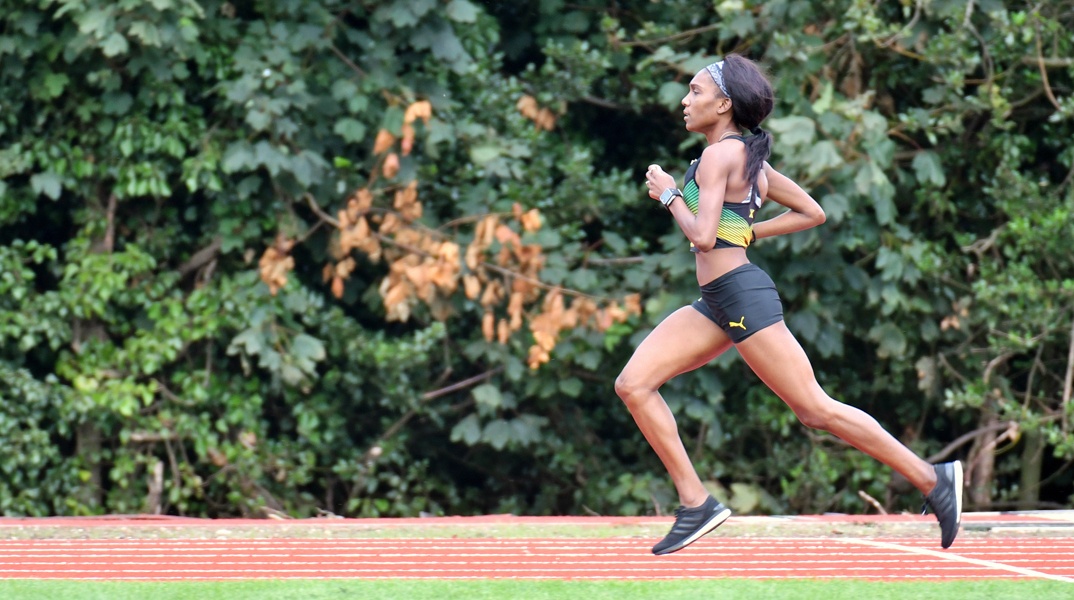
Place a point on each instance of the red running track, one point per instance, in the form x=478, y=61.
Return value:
x=618, y=558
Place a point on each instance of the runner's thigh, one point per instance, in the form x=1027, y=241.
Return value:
x=682, y=342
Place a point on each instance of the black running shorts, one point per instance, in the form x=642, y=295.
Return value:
x=742, y=302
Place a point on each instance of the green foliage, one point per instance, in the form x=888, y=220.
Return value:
x=151, y=150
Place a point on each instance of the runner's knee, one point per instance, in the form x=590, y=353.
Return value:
x=630, y=388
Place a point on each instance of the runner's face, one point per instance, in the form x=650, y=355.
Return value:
x=704, y=105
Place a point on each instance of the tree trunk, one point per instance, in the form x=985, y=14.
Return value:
x=88, y=448
x=88, y=435
x=155, y=478
x=984, y=463
x=1032, y=461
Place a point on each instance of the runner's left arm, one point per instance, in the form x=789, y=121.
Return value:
x=804, y=211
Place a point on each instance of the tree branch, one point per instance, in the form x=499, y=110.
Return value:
x=871, y=500
x=626, y=260
x=672, y=38
x=1053, y=62
x=375, y=450
x=969, y=437
x=601, y=102
x=995, y=362
x=1068, y=381
x=460, y=385
x=951, y=368
x=110, y=228
x=981, y=246
x=1012, y=432
x=1044, y=73
x=201, y=257
x=346, y=60
x=1032, y=373
x=153, y=436
x=913, y=21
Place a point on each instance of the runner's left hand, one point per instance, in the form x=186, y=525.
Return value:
x=656, y=180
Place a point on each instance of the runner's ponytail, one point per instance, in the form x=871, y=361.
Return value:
x=752, y=101
x=758, y=148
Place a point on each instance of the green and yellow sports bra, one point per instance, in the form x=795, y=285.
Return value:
x=736, y=219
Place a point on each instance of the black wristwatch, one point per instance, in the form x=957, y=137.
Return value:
x=668, y=196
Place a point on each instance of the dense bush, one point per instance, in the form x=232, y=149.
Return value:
x=376, y=258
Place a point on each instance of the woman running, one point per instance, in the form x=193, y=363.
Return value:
x=739, y=304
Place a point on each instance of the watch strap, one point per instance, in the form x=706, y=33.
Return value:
x=668, y=196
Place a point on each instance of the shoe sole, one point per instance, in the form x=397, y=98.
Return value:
x=709, y=525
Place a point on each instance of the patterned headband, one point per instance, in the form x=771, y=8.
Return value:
x=716, y=70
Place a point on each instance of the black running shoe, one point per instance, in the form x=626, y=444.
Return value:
x=946, y=500
x=691, y=524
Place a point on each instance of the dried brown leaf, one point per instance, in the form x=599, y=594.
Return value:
x=449, y=251
x=514, y=310
x=486, y=230
x=493, y=293
x=545, y=120
x=617, y=314
x=421, y=109
x=527, y=105
x=585, y=308
x=363, y=200
x=410, y=237
x=506, y=236
x=570, y=318
x=389, y=224
x=406, y=195
x=408, y=140
x=412, y=212
x=399, y=293
x=473, y=256
x=371, y=246
x=391, y=166
x=217, y=457
x=504, y=256
x=345, y=267
x=604, y=320
x=274, y=266
x=531, y=220
x=472, y=286
x=553, y=304
x=383, y=142
x=488, y=326
x=537, y=357
x=503, y=331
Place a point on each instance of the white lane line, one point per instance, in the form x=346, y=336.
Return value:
x=589, y=549
x=957, y=557
x=527, y=566
x=398, y=552
x=343, y=557
x=319, y=555
x=777, y=542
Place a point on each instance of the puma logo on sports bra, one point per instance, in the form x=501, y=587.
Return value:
x=736, y=218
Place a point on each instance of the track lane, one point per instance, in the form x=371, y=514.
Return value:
x=883, y=560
